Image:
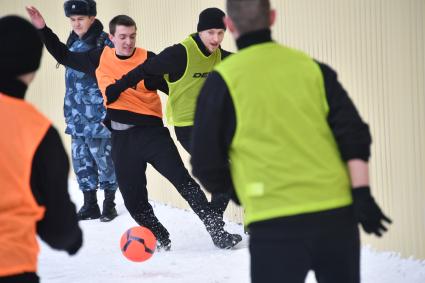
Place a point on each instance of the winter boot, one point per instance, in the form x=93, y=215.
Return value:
x=212, y=219
x=90, y=209
x=150, y=221
x=163, y=245
x=224, y=240
x=109, y=212
x=220, y=237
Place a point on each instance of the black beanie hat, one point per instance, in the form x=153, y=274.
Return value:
x=21, y=53
x=80, y=7
x=211, y=18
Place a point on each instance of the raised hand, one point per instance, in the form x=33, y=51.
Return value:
x=36, y=17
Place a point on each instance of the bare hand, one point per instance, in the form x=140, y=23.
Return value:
x=36, y=17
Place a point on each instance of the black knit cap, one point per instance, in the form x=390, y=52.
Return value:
x=21, y=52
x=80, y=7
x=211, y=18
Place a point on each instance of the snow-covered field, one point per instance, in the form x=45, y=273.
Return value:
x=193, y=258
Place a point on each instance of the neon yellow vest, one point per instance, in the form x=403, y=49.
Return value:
x=284, y=159
x=184, y=92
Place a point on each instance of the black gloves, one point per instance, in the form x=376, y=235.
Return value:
x=113, y=92
x=367, y=212
x=73, y=249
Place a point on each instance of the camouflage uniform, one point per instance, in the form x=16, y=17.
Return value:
x=84, y=112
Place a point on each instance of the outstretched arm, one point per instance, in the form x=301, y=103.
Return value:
x=171, y=60
x=85, y=62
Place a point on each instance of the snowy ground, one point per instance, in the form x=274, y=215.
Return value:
x=193, y=258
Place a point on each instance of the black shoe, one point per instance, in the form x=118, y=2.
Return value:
x=90, y=208
x=225, y=240
x=109, y=212
x=150, y=221
x=163, y=245
x=108, y=215
x=220, y=237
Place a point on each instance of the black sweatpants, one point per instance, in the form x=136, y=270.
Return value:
x=132, y=149
x=285, y=249
x=219, y=201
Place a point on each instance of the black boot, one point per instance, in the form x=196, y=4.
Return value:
x=212, y=219
x=90, y=209
x=163, y=245
x=150, y=221
x=109, y=211
x=220, y=237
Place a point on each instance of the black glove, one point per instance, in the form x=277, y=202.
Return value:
x=367, y=212
x=73, y=249
x=112, y=93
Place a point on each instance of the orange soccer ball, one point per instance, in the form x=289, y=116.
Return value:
x=138, y=244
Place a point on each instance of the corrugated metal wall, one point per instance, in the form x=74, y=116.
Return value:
x=377, y=47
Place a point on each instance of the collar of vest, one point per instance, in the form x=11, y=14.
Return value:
x=121, y=57
x=255, y=37
x=200, y=44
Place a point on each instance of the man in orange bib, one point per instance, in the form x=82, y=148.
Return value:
x=185, y=66
x=138, y=134
x=33, y=164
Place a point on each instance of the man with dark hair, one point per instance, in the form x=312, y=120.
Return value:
x=84, y=112
x=138, y=134
x=33, y=164
x=185, y=66
x=121, y=20
x=298, y=153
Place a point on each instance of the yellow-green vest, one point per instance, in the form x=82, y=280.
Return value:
x=184, y=92
x=284, y=158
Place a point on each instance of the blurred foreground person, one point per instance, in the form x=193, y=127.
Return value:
x=33, y=164
x=298, y=153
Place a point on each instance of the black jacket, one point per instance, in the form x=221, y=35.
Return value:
x=215, y=124
x=49, y=184
x=87, y=62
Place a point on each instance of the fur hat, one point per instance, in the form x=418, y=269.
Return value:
x=20, y=53
x=80, y=7
x=211, y=18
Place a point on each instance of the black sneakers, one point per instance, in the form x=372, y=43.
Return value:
x=224, y=240
x=220, y=237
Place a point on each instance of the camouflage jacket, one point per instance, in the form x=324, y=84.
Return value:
x=83, y=104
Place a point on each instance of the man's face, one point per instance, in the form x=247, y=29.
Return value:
x=81, y=24
x=212, y=38
x=124, y=40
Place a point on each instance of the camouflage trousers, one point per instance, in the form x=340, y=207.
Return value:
x=92, y=163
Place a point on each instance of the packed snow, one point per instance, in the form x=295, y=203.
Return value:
x=192, y=259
